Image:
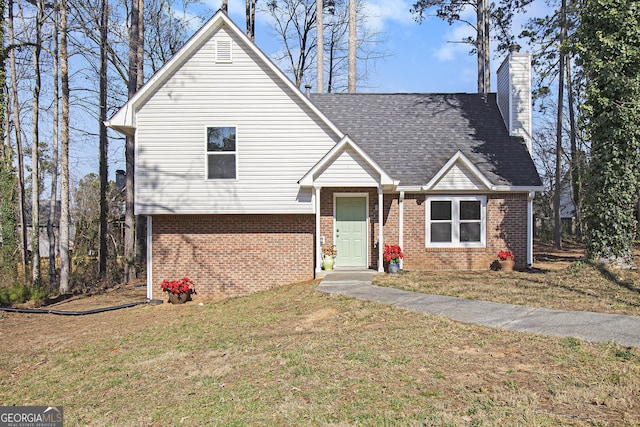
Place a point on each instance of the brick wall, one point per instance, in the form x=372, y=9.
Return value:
x=506, y=230
x=231, y=255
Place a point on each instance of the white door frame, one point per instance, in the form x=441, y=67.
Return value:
x=367, y=220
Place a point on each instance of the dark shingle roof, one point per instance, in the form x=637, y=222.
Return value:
x=411, y=136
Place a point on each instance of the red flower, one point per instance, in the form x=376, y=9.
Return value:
x=184, y=285
x=393, y=254
x=504, y=255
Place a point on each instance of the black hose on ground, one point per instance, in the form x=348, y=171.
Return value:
x=71, y=313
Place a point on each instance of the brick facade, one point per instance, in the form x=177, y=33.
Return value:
x=231, y=255
x=506, y=230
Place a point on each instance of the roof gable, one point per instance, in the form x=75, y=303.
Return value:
x=346, y=164
x=124, y=120
x=459, y=173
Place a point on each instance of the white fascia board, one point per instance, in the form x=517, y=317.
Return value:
x=517, y=189
x=408, y=189
x=307, y=180
x=124, y=118
x=466, y=162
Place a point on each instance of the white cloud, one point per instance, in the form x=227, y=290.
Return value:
x=379, y=12
x=452, y=46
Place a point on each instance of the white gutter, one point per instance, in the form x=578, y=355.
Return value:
x=401, y=223
x=315, y=200
x=380, y=228
x=149, y=258
x=530, y=228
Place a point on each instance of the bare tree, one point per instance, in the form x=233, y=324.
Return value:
x=35, y=175
x=104, y=143
x=65, y=265
x=251, y=19
x=295, y=24
x=19, y=144
x=557, y=229
x=54, y=155
x=135, y=68
x=129, y=220
x=352, y=46
x=320, y=37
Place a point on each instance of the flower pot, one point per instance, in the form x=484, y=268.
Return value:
x=180, y=298
x=393, y=268
x=327, y=262
x=507, y=264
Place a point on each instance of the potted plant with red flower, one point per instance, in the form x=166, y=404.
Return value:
x=393, y=254
x=179, y=290
x=506, y=260
x=329, y=253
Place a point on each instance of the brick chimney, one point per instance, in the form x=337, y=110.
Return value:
x=514, y=93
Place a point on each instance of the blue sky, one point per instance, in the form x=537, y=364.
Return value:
x=423, y=57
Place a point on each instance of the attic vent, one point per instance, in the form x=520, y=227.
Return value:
x=223, y=50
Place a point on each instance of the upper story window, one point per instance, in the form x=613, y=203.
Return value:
x=456, y=221
x=221, y=152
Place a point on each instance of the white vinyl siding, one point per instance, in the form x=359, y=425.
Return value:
x=514, y=95
x=458, y=177
x=456, y=221
x=280, y=139
x=349, y=168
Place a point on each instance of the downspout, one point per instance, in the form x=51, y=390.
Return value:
x=530, y=228
x=316, y=201
x=380, y=228
x=149, y=258
x=401, y=223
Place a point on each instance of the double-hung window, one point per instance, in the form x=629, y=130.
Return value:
x=221, y=153
x=456, y=221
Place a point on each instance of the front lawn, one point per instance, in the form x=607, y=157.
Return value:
x=558, y=280
x=294, y=356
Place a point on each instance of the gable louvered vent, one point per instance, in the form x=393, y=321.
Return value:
x=223, y=51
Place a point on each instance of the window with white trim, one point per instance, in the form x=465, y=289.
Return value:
x=456, y=221
x=221, y=153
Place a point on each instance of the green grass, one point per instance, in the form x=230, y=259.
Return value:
x=293, y=356
x=578, y=286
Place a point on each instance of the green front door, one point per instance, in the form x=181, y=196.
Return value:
x=351, y=231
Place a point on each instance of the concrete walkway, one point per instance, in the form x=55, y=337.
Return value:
x=595, y=327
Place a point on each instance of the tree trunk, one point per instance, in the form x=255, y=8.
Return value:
x=557, y=224
x=22, y=214
x=104, y=142
x=140, y=225
x=225, y=6
x=352, y=47
x=54, y=155
x=65, y=265
x=576, y=172
x=129, y=219
x=487, y=50
x=480, y=44
x=35, y=158
x=320, y=48
x=250, y=18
